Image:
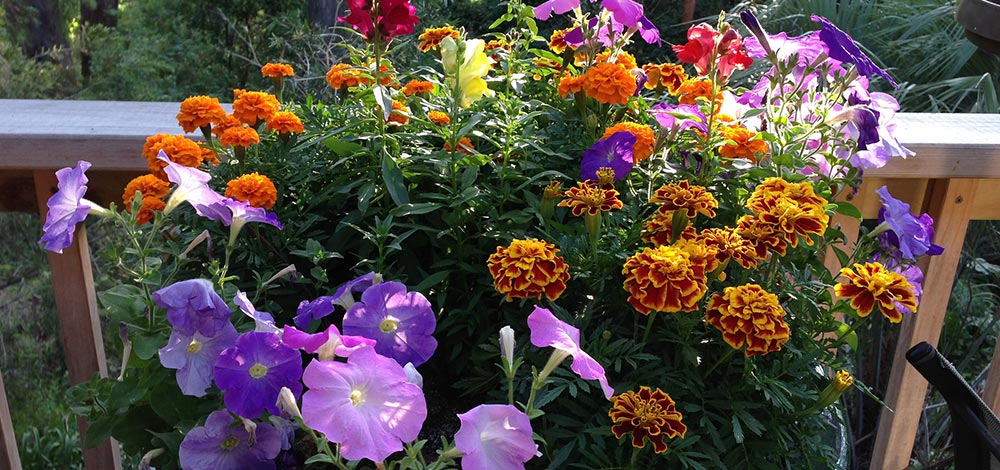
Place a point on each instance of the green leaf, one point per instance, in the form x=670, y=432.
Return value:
x=145, y=345
x=123, y=303
x=847, y=209
x=417, y=208
x=851, y=339
x=100, y=430
x=737, y=430
x=393, y=178
x=342, y=148
x=319, y=458
x=383, y=99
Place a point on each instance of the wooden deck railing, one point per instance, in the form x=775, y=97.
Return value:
x=955, y=177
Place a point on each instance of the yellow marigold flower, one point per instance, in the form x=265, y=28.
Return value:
x=609, y=83
x=646, y=414
x=623, y=59
x=668, y=76
x=239, y=137
x=730, y=245
x=740, y=143
x=417, y=86
x=870, y=283
x=346, y=76
x=645, y=138
x=227, y=122
x=658, y=230
x=273, y=70
x=464, y=145
x=254, y=106
x=179, y=149
x=400, y=114
x=557, y=42
x=748, y=315
x=587, y=198
x=431, y=37
x=664, y=279
x=438, y=117
x=570, y=84
x=147, y=185
x=528, y=269
x=284, y=122
x=200, y=111
x=763, y=236
x=150, y=205
x=696, y=90
x=255, y=189
x=685, y=196
x=842, y=381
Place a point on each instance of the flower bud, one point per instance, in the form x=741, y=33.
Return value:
x=287, y=404
x=507, y=344
x=203, y=236
x=412, y=376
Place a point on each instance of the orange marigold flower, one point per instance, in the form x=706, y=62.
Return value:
x=658, y=230
x=740, y=143
x=646, y=414
x=623, y=59
x=227, y=122
x=683, y=195
x=345, y=75
x=209, y=156
x=237, y=92
x=147, y=185
x=179, y=149
x=239, y=137
x=664, y=279
x=438, y=117
x=730, y=245
x=149, y=206
x=277, y=70
x=400, y=114
x=696, y=90
x=284, y=122
x=557, y=42
x=254, y=106
x=668, y=76
x=645, y=138
x=609, y=83
x=590, y=199
x=255, y=189
x=870, y=283
x=792, y=209
x=464, y=145
x=200, y=111
x=528, y=269
x=748, y=315
x=570, y=84
x=431, y=37
x=417, y=86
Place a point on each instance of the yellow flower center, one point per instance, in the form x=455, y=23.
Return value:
x=258, y=370
x=194, y=347
x=357, y=397
x=389, y=325
x=647, y=412
x=230, y=443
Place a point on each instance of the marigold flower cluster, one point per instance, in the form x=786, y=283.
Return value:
x=741, y=143
x=684, y=196
x=664, y=279
x=431, y=37
x=664, y=76
x=570, y=84
x=647, y=415
x=200, y=111
x=439, y=117
x=179, y=149
x=239, y=136
x=609, y=83
x=285, y=122
x=659, y=229
x=400, y=114
x=528, y=269
x=748, y=315
x=464, y=145
x=870, y=284
x=589, y=198
x=783, y=211
x=151, y=192
x=343, y=75
x=255, y=189
x=417, y=86
x=696, y=90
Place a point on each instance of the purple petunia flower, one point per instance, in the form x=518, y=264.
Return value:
x=558, y=7
x=235, y=214
x=401, y=323
x=495, y=437
x=252, y=372
x=323, y=306
x=315, y=309
x=547, y=330
x=263, y=321
x=193, y=306
x=907, y=235
x=67, y=207
x=841, y=46
x=192, y=186
x=614, y=152
x=194, y=357
x=679, y=116
x=327, y=343
x=222, y=444
x=366, y=405
x=344, y=295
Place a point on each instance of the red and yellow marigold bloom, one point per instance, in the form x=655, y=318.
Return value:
x=664, y=279
x=684, y=196
x=748, y=315
x=763, y=236
x=179, y=149
x=646, y=414
x=872, y=283
x=285, y=122
x=658, y=230
x=150, y=205
x=464, y=145
x=589, y=198
x=439, y=117
x=774, y=187
x=255, y=106
x=570, y=84
x=345, y=76
x=148, y=185
x=741, y=143
x=730, y=246
x=200, y=111
x=431, y=37
x=609, y=83
x=528, y=269
x=645, y=138
x=239, y=137
x=695, y=91
x=791, y=209
x=255, y=189
x=273, y=70
x=413, y=87
x=668, y=76
x=557, y=42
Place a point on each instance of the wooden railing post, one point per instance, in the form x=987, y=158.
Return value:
x=9, y=458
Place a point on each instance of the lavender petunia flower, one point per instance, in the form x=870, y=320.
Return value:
x=547, y=330
x=495, y=437
x=192, y=186
x=840, y=46
x=67, y=207
x=907, y=235
x=327, y=343
x=252, y=372
x=366, y=405
x=310, y=310
x=323, y=306
x=193, y=306
x=263, y=321
x=401, y=323
x=194, y=357
x=679, y=116
x=222, y=444
x=614, y=152
x=344, y=295
x=235, y=214
x=558, y=7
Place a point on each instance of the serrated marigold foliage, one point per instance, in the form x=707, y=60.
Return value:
x=748, y=315
x=664, y=279
x=870, y=284
x=647, y=415
x=528, y=269
x=200, y=111
x=254, y=188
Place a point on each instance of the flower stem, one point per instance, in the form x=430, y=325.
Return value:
x=649, y=326
x=725, y=358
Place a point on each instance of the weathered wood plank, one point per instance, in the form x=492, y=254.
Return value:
x=951, y=207
x=9, y=458
x=947, y=146
x=991, y=393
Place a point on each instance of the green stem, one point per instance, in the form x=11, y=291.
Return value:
x=725, y=358
x=649, y=326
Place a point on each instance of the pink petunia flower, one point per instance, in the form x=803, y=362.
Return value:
x=547, y=330
x=495, y=437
